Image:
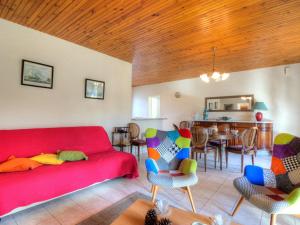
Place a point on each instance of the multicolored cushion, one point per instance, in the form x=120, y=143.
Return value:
x=168, y=163
x=276, y=190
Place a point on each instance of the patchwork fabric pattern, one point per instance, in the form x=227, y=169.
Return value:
x=269, y=178
x=277, y=166
x=294, y=176
x=174, y=149
x=174, y=164
x=172, y=178
x=161, y=135
x=169, y=150
x=280, y=184
x=283, y=183
x=270, y=200
x=164, y=150
x=291, y=163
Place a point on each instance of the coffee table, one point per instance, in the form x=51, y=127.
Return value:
x=135, y=215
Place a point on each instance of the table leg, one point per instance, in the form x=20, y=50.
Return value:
x=220, y=150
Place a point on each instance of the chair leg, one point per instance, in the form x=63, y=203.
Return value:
x=242, y=163
x=152, y=188
x=205, y=162
x=191, y=198
x=138, y=152
x=200, y=155
x=221, y=160
x=131, y=149
x=252, y=160
x=238, y=205
x=226, y=158
x=215, y=156
x=154, y=193
x=273, y=219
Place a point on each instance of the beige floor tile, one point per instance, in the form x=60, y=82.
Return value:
x=8, y=220
x=66, y=211
x=35, y=216
x=281, y=219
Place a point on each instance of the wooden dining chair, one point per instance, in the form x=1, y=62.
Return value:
x=175, y=126
x=223, y=128
x=248, y=147
x=134, y=134
x=200, y=144
x=184, y=125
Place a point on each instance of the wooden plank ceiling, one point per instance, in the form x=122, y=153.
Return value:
x=171, y=39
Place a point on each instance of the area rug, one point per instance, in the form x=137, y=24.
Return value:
x=108, y=215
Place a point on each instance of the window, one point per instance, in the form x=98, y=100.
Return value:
x=154, y=106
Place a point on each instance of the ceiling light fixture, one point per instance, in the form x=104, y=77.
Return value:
x=216, y=76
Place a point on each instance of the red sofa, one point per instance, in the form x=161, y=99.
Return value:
x=19, y=189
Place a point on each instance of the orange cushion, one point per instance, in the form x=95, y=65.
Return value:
x=153, y=154
x=14, y=164
x=277, y=166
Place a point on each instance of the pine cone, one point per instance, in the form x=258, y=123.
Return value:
x=165, y=221
x=151, y=217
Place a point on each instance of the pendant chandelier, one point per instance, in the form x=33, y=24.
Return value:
x=215, y=75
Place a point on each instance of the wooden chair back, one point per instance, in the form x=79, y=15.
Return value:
x=199, y=136
x=134, y=131
x=175, y=126
x=184, y=125
x=248, y=137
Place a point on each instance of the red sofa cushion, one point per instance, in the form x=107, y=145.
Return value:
x=31, y=142
x=50, y=181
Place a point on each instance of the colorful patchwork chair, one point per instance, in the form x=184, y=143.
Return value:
x=276, y=191
x=168, y=164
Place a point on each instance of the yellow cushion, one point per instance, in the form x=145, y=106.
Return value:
x=51, y=159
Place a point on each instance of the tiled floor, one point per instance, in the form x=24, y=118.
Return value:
x=214, y=194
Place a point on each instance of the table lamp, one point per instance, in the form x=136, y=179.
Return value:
x=259, y=106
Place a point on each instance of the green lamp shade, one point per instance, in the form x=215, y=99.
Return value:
x=260, y=106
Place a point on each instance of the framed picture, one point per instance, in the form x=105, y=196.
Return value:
x=37, y=74
x=94, y=89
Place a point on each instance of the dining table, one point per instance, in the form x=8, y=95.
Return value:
x=222, y=138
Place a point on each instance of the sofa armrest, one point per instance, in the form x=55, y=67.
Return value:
x=260, y=176
x=188, y=166
x=151, y=166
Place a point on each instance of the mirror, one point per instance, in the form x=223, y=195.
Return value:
x=237, y=103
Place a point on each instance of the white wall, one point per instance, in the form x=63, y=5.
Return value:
x=64, y=105
x=280, y=93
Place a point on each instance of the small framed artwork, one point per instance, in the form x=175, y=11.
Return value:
x=94, y=89
x=37, y=74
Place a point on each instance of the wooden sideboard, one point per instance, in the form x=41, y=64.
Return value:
x=265, y=130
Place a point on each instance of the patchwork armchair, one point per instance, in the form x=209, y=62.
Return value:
x=168, y=164
x=275, y=190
